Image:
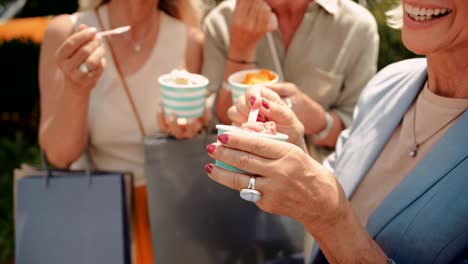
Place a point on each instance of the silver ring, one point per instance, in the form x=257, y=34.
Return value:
x=250, y=194
x=84, y=68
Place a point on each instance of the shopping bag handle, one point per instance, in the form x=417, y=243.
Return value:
x=45, y=166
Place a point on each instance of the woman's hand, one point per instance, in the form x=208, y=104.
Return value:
x=309, y=112
x=250, y=21
x=294, y=185
x=272, y=108
x=291, y=183
x=82, y=47
x=186, y=129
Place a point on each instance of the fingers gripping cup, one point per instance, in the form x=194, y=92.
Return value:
x=241, y=80
x=225, y=128
x=183, y=94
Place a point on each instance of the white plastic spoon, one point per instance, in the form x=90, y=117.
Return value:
x=114, y=31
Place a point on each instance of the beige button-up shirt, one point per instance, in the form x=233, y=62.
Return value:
x=331, y=56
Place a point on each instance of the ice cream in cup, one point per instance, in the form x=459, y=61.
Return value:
x=234, y=129
x=183, y=93
x=241, y=80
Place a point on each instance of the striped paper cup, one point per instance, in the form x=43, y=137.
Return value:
x=184, y=100
x=225, y=128
x=238, y=88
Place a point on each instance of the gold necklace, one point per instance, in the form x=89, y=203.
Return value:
x=413, y=152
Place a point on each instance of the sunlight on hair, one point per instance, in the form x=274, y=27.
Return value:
x=395, y=17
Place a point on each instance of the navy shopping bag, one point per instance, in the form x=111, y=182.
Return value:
x=71, y=217
x=195, y=220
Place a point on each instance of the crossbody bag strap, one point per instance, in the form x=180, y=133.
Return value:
x=122, y=79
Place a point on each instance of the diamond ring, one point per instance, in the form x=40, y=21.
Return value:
x=84, y=68
x=250, y=194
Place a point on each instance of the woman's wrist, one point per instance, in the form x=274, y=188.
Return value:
x=327, y=226
x=243, y=62
x=345, y=240
x=75, y=93
x=325, y=130
x=242, y=53
x=311, y=113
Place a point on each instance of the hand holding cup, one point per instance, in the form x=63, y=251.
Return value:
x=184, y=112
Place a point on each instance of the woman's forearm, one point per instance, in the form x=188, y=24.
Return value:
x=224, y=100
x=346, y=240
x=64, y=136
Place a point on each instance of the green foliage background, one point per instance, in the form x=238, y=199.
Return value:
x=19, y=99
x=391, y=47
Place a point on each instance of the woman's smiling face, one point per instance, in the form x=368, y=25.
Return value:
x=435, y=25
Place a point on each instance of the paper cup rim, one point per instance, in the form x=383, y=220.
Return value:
x=232, y=76
x=204, y=81
x=278, y=136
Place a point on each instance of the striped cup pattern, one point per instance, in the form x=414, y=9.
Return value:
x=184, y=100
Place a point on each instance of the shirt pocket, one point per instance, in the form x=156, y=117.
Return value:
x=322, y=86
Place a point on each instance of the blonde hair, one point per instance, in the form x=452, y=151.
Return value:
x=188, y=11
x=395, y=17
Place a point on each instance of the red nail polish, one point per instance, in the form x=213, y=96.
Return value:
x=210, y=148
x=252, y=100
x=208, y=168
x=223, y=138
x=265, y=104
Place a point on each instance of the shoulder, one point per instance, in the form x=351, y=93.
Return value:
x=59, y=28
x=399, y=71
x=356, y=14
x=352, y=17
x=64, y=25
x=392, y=77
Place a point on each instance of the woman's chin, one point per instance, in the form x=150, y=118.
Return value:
x=415, y=46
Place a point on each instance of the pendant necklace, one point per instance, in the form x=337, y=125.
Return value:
x=137, y=45
x=413, y=152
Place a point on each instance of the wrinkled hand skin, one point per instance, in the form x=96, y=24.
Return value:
x=295, y=185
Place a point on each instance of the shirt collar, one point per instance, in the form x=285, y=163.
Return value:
x=331, y=6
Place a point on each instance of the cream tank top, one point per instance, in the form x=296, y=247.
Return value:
x=115, y=141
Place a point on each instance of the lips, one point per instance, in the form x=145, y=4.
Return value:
x=425, y=14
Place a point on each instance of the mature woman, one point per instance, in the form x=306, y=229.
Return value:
x=396, y=187
x=320, y=52
x=102, y=94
